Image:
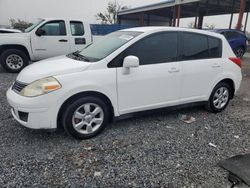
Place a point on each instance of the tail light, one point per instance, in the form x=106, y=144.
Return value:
x=236, y=60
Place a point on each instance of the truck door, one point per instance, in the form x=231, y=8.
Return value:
x=52, y=40
x=80, y=35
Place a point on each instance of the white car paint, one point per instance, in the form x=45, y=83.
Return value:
x=42, y=47
x=4, y=31
x=143, y=88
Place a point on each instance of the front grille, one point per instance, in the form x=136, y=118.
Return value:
x=18, y=86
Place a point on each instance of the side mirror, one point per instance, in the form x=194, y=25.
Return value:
x=40, y=32
x=130, y=62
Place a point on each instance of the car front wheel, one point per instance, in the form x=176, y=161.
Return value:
x=85, y=117
x=219, y=98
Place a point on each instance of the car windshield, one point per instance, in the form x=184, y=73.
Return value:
x=29, y=29
x=108, y=44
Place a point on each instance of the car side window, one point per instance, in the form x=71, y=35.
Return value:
x=77, y=28
x=194, y=46
x=157, y=48
x=215, y=47
x=54, y=28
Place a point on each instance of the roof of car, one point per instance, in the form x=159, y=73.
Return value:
x=150, y=29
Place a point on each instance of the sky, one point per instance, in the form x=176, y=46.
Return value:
x=31, y=10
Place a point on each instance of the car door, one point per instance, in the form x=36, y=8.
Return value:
x=156, y=82
x=77, y=36
x=201, y=65
x=53, y=42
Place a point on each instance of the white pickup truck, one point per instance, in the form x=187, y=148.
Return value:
x=47, y=38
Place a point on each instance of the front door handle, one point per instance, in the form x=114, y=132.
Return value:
x=63, y=40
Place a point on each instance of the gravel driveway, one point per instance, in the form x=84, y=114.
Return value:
x=151, y=151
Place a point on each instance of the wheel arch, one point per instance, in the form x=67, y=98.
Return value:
x=231, y=83
x=99, y=95
x=15, y=46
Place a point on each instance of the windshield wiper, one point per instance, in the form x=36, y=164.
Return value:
x=80, y=56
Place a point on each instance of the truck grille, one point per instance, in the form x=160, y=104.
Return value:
x=18, y=86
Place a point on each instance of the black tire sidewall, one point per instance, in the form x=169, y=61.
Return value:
x=211, y=106
x=71, y=108
x=8, y=52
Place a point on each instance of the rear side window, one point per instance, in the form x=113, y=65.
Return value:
x=157, y=48
x=215, y=47
x=194, y=46
x=77, y=28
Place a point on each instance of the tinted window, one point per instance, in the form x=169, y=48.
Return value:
x=232, y=34
x=214, y=47
x=194, y=46
x=54, y=28
x=158, y=48
x=76, y=28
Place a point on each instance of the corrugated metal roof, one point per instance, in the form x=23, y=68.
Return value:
x=163, y=4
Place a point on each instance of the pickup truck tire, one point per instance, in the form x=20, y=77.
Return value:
x=14, y=60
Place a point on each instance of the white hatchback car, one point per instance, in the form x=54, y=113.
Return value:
x=127, y=71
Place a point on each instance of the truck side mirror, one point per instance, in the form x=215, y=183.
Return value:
x=40, y=32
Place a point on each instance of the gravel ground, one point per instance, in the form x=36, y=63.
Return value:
x=151, y=151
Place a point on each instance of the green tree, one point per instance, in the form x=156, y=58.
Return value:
x=19, y=24
x=110, y=15
x=210, y=26
x=191, y=25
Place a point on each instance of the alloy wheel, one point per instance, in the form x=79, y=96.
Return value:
x=221, y=97
x=88, y=118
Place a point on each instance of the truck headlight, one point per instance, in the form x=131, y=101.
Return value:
x=40, y=87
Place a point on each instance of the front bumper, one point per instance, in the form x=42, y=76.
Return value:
x=32, y=112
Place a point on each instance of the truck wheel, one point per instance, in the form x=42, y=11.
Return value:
x=85, y=117
x=14, y=60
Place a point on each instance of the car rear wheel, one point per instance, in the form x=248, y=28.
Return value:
x=14, y=60
x=219, y=98
x=239, y=52
x=85, y=118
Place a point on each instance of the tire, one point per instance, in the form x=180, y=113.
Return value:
x=80, y=113
x=14, y=60
x=240, y=51
x=218, y=98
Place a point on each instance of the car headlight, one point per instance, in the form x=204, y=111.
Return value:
x=40, y=87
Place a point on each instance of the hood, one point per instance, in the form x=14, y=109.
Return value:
x=18, y=35
x=51, y=67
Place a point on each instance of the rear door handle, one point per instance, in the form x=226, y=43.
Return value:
x=173, y=70
x=216, y=66
x=63, y=40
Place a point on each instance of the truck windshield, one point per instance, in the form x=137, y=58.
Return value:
x=108, y=44
x=29, y=29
